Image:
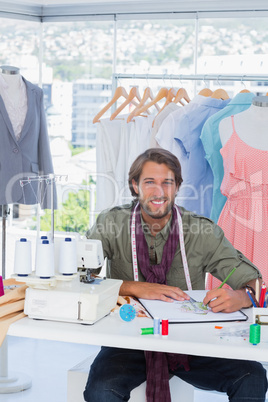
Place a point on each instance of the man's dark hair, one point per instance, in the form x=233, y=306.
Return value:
x=158, y=156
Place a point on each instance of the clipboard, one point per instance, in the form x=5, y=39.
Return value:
x=181, y=312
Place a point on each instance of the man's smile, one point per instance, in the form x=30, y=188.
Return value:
x=158, y=202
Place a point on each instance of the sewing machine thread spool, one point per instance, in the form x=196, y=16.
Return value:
x=23, y=257
x=45, y=259
x=156, y=326
x=164, y=327
x=254, y=334
x=67, y=257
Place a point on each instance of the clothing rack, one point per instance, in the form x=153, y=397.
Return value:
x=191, y=77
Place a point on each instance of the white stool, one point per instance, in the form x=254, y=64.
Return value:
x=177, y=386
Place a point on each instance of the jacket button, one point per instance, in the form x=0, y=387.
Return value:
x=15, y=150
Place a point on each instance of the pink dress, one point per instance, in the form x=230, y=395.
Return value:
x=244, y=218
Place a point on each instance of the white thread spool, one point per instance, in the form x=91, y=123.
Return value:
x=45, y=260
x=39, y=241
x=67, y=257
x=23, y=257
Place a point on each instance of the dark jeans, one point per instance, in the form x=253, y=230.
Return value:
x=115, y=372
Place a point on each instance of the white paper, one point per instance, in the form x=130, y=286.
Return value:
x=177, y=311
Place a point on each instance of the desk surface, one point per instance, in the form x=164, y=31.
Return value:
x=195, y=339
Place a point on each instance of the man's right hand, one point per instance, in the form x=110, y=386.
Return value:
x=152, y=291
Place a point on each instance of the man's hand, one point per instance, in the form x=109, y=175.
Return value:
x=153, y=291
x=226, y=300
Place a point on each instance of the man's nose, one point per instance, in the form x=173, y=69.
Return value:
x=158, y=191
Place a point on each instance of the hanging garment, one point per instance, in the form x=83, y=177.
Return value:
x=111, y=140
x=28, y=156
x=195, y=193
x=244, y=217
x=166, y=132
x=16, y=108
x=139, y=137
x=211, y=141
x=171, y=107
x=118, y=143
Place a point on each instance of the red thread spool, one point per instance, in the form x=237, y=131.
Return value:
x=164, y=327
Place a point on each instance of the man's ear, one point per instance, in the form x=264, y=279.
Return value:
x=135, y=186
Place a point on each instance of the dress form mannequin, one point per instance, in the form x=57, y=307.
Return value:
x=12, y=77
x=13, y=93
x=244, y=216
x=10, y=86
x=250, y=125
x=10, y=70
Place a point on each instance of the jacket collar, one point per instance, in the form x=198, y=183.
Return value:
x=30, y=88
x=30, y=108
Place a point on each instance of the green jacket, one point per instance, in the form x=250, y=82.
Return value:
x=207, y=250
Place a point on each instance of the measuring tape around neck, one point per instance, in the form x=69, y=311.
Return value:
x=182, y=246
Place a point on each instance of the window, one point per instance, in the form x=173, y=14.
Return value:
x=233, y=46
x=19, y=46
x=155, y=47
x=77, y=69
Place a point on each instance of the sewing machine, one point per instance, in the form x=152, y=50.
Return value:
x=79, y=298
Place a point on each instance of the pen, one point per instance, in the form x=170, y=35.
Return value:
x=262, y=296
x=253, y=297
x=265, y=300
x=257, y=290
x=252, y=301
x=226, y=279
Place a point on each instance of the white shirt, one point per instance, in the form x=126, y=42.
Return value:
x=139, y=137
x=15, y=103
x=166, y=133
x=171, y=107
x=111, y=141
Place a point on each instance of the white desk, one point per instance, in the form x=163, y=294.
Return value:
x=195, y=339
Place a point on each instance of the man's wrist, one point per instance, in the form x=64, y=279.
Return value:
x=250, y=293
x=250, y=289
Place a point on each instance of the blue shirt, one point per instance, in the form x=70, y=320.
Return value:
x=211, y=141
x=195, y=193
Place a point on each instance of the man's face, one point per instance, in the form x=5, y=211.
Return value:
x=156, y=189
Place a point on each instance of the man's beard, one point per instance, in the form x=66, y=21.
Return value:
x=156, y=214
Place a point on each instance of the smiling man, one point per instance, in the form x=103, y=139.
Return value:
x=160, y=250
x=156, y=189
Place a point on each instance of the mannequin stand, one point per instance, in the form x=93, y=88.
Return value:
x=5, y=212
x=12, y=382
x=9, y=382
x=15, y=382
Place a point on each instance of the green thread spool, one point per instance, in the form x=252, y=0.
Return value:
x=146, y=331
x=254, y=334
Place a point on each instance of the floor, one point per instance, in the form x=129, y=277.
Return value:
x=47, y=364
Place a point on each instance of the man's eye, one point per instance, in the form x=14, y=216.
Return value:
x=149, y=182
